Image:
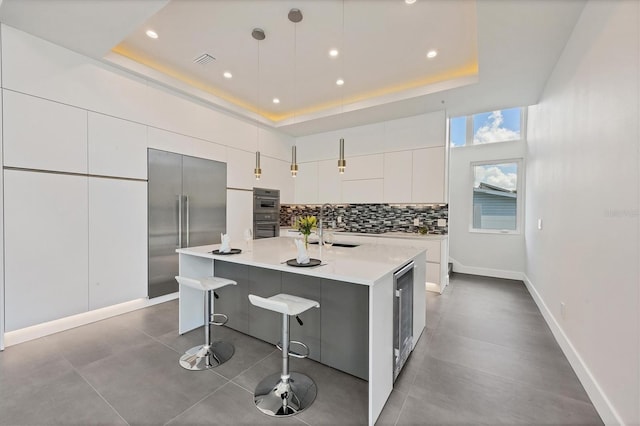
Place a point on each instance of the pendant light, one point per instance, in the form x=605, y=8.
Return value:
x=342, y=163
x=295, y=16
x=259, y=35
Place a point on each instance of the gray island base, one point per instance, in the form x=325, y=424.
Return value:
x=353, y=329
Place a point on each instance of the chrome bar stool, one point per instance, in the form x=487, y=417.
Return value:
x=285, y=393
x=209, y=355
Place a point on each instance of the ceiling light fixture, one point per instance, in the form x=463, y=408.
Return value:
x=409, y=1
x=227, y=74
x=342, y=163
x=258, y=34
x=152, y=34
x=333, y=53
x=295, y=16
x=276, y=100
x=432, y=54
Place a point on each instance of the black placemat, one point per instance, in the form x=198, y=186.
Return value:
x=233, y=251
x=312, y=262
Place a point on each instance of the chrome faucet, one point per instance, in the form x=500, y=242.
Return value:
x=320, y=222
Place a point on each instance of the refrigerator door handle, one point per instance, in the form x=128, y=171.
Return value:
x=186, y=201
x=179, y=221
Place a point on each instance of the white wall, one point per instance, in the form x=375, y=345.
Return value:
x=583, y=181
x=498, y=255
x=396, y=161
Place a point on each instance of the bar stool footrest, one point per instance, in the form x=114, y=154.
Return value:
x=296, y=354
x=214, y=322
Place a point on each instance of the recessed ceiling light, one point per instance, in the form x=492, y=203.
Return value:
x=409, y=1
x=227, y=74
x=152, y=34
x=432, y=54
x=339, y=82
x=276, y=100
x=333, y=53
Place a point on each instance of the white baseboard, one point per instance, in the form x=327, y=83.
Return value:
x=36, y=331
x=600, y=401
x=485, y=272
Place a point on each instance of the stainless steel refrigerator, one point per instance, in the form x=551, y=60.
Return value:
x=187, y=207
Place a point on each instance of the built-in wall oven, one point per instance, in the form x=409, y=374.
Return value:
x=402, y=316
x=266, y=213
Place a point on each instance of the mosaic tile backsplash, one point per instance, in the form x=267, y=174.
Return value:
x=373, y=218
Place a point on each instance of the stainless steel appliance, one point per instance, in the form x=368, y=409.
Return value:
x=187, y=207
x=266, y=213
x=402, y=316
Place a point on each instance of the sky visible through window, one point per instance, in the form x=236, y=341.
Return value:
x=501, y=175
x=488, y=127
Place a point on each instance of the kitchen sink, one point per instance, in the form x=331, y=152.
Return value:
x=338, y=244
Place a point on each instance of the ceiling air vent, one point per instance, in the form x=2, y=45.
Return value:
x=204, y=59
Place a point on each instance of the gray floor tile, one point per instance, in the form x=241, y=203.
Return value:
x=93, y=342
x=539, y=372
x=229, y=405
x=342, y=398
x=419, y=412
x=67, y=400
x=392, y=408
x=155, y=320
x=146, y=385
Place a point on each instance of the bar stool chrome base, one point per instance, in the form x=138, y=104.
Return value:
x=276, y=398
x=201, y=357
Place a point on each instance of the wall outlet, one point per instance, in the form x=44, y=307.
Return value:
x=539, y=224
x=416, y=222
x=442, y=222
x=563, y=310
x=339, y=219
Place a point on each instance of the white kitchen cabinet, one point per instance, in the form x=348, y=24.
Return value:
x=398, y=176
x=239, y=215
x=306, y=184
x=185, y=145
x=363, y=167
x=44, y=135
x=329, y=182
x=116, y=147
x=362, y=191
x=46, y=235
x=240, y=165
x=117, y=241
x=428, y=175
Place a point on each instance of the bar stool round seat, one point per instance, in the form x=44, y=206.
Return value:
x=209, y=355
x=285, y=393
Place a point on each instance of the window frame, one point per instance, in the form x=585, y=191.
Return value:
x=519, y=196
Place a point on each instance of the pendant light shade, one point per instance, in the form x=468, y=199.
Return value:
x=257, y=171
x=294, y=162
x=342, y=163
x=258, y=34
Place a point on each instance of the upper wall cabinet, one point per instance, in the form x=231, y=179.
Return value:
x=186, y=145
x=329, y=181
x=398, y=177
x=240, y=166
x=363, y=167
x=43, y=135
x=117, y=147
x=429, y=175
x=306, y=184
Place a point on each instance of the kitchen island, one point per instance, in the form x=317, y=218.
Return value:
x=353, y=329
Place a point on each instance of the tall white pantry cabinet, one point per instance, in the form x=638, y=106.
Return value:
x=75, y=210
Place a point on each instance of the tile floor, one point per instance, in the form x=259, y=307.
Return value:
x=486, y=357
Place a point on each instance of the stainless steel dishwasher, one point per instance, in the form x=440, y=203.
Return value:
x=402, y=316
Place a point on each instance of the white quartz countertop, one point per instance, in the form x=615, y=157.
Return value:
x=364, y=264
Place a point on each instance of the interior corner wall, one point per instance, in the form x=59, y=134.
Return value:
x=488, y=254
x=583, y=166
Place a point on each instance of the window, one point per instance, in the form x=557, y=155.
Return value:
x=496, y=196
x=487, y=127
